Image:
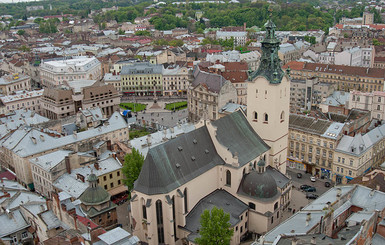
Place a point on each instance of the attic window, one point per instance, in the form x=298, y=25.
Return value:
x=195, y=141
x=180, y=148
x=207, y=151
x=193, y=158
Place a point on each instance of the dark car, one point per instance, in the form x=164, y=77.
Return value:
x=303, y=187
x=311, y=196
x=311, y=189
x=299, y=175
x=327, y=184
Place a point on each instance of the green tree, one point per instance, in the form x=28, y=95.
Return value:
x=24, y=48
x=142, y=33
x=121, y=32
x=20, y=32
x=131, y=168
x=215, y=228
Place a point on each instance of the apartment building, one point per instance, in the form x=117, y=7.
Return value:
x=208, y=93
x=68, y=99
x=371, y=101
x=346, y=78
x=115, y=80
x=29, y=100
x=288, y=52
x=9, y=84
x=49, y=167
x=312, y=143
x=239, y=37
x=56, y=72
x=142, y=79
x=356, y=155
x=176, y=80
x=28, y=143
x=307, y=93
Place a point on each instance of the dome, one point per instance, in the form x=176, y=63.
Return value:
x=258, y=185
x=94, y=194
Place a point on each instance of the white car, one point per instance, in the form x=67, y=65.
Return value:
x=312, y=179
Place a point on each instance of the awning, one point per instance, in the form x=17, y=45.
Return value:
x=118, y=190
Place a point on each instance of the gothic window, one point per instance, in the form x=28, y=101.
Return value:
x=255, y=115
x=265, y=94
x=256, y=93
x=159, y=221
x=144, y=211
x=173, y=216
x=185, y=200
x=282, y=117
x=228, y=178
x=276, y=206
x=266, y=117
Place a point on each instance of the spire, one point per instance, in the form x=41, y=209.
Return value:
x=270, y=66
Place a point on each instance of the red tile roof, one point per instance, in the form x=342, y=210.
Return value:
x=85, y=222
x=235, y=76
x=338, y=69
x=8, y=175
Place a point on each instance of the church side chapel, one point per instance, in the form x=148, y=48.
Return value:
x=236, y=163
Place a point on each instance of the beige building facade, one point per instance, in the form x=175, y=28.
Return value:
x=9, y=84
x=373, y=102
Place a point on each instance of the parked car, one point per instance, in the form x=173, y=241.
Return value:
x=327, y=184
x=311, y=189
x=312, y=179
x=299, y=175
x=311, y=196
x=303, y=187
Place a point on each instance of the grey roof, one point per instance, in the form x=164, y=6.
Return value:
x=232, y=107
x=260, y=186
x=235, y=133
x=334, y=130
x=308, y=124
x=118, y=236
x=70, y=185
x=21, y=141
x=50, y=160
x=212, y=81
x=12, y=225
x=220, y=199
x=378, y=239
x=50, y=220
x=176, y=162
x=141, y=68
x=280, y=179
x=359, y=144
x=338, y=98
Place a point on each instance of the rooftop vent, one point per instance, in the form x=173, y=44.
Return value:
x=177, y=165
x=193, y=158
x=207, y=151
x=195, y=141
x=180, y=148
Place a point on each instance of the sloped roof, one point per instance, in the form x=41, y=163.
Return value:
x=235, y=133
x=212, y=81
x=308, y=124
x=176, y=162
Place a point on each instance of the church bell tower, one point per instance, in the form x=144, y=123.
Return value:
x=268, y=99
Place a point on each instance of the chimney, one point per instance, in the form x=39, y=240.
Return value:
x=313, y=241
x=149, y=139
x=67, y=163
x=75, y=135
x=42, y=138
x=294, y=241
x=96, y=165
x=109, y=146
x=338, y=192
x=244, y=26
x=377, y=187
x=34, y=140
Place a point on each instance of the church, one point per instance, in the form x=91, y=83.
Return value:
x=237, y=163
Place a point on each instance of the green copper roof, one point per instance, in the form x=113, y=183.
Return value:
x=94, y=194
x=270, y=66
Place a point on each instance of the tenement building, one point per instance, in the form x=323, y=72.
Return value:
x=56, y=72
x=142, y=78
x=67, y=99
x=208, y=93
x=311, y=144
x=175, y=80
x=346, y=78
x=9, y=84
x=238, y=159
x=371, y=101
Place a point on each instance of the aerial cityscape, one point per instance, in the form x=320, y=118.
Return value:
x=224, y=122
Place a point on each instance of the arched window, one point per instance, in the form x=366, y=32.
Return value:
x=244, y=171
x=159, y=221
x=144, y=210
x=185, y=200
x=255, y=115
x=173, y=216
x=266, y=117
x=282, y=117
x=228, y=178
x=276, y=206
